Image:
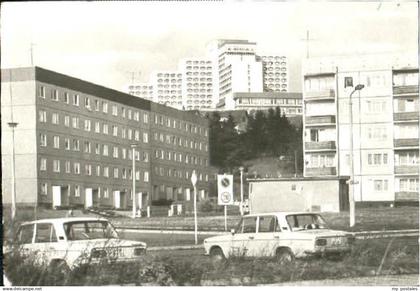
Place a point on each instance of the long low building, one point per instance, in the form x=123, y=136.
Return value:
x=74, y=144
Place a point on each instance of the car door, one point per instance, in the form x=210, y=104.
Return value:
x=46, y=241
x=24, y=239
x=245, y=233
x=267, y=237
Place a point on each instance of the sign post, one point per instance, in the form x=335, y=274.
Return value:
x=194, y=183
x=225, y=192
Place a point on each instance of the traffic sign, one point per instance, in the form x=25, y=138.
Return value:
x=225, y=189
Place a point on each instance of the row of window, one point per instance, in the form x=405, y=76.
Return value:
x=177, y=157
x=75, y=145
x=175, y=140
x=170, y=172
x=188, y=127
x=75, y=168
x=87, y=126
x=96, y=104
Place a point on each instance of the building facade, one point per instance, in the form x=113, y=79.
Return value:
x=74, y=143
x=167, y=88
x=382, y=128
x=142, y=90
x=276, y=77
x=290, y=104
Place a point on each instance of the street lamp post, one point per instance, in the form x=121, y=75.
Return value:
x=351, y=182
x=194, y=183
x=133, y=146
x=242, y=190
x=13, y=125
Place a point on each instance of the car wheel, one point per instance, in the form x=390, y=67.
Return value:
x=217, y=256
x=284, y=256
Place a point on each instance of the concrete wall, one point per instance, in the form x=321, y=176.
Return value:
x=22, y=104
x=300, y=195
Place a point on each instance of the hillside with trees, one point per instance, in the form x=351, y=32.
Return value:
x=268, y=135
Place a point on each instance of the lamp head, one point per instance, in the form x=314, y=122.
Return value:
x=359, y=87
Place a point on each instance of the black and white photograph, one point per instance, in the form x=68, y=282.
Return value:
x=209, y=144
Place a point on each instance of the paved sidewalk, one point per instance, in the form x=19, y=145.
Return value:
x=392, y=280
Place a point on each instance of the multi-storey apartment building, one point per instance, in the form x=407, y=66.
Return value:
x=197, y=83
x=73, y=144
x=290, y=104
x=276, y=77
x=382, y=128
x=167, y=88
x=142, y=90
x=237, y=67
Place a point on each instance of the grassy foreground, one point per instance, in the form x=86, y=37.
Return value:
x=368, y=258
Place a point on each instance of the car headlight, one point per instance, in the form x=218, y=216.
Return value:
x=97, y=253
x=139, y=251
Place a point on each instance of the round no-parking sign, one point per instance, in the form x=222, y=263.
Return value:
x=225, y=189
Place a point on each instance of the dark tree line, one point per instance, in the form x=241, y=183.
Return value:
x=267, y=134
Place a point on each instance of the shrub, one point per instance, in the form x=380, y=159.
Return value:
x=162, y=202
x=206, y=206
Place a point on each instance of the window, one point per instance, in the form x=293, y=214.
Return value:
x=66, y=98
x=146, y=176
x=88, y=170
x=145, y=118
x=87, y=103
x=409, y=185
x=123, y=112
x=380, y=185
x=67, y=167
x=378, y=159
x=104, y=107
x=45, y=233
x=76, y=99
x=114, y=110
x=67, y=144
x=145, y=157
x=56, y=166
x=106, y=193
x=268, y=224
x=87, y=125
x=77, y=191
x=115, y=173
x=105, y=128
x=43, y=140
x=376, y=106
x=105, y=150
x=54, y=95
x=408, y=158
x=124, y=173
x=67, y=121
x=76, y=168
x=44, y=188
x=56, y=140
x=42, y=91
x=247, y=225
x=96, y=105
x=145, y=137
x=115, y=152
x=124, y=153
x=25, y=233
x=55, y=118
x=136, y=116
x=348, y=82
x=97, y=127
x=98, y=170
x=106, y=173
x=115, y=130
x=129, y=114
x=75, y=122
x=76, y=145
x=42, y=116
x=136, y=135
x=43, y=164
x=87, y=146
x=377, y=133
x=130, y=134
x=97, y=149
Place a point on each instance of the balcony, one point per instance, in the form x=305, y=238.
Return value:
x=406, y=196
x=403, y=90
x=407, y=169
x=320, y=95
x=406, y=116
x=320, y=120
x=320, y=145
x=406, y=142
x=325, y=171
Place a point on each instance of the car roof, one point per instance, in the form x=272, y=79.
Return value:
x=65, y=220
x=280, y=213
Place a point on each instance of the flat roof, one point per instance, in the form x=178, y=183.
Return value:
x=297, y=179
x=286, y=95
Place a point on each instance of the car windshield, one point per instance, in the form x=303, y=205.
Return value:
x=85, y=230
x=299, y=222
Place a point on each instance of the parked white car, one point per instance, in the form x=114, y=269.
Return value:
x=65, y=243
x=284, y=235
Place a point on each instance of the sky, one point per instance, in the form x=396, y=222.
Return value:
x=104, y=42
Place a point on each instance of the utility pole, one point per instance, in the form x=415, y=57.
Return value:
x=133, y=74
x=32, y=53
